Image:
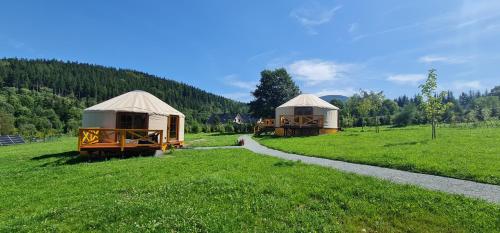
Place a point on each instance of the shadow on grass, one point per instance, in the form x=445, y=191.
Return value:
x=406, y=143
x=286, y=163
x=61, y=155
x=74, y=157
x=224, y=134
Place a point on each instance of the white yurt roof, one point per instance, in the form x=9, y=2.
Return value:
x=308, y=100
x=136, y=101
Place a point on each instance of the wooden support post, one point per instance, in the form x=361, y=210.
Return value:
x=80, y=138
x=122, y=140
x=161, y=140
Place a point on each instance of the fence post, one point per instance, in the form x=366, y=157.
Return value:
x=161, y=138
x=122, y=140
x=80, y=138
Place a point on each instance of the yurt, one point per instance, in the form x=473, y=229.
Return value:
x=306, y=114
x=136, y=119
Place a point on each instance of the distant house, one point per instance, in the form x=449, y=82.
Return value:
x=236, y=118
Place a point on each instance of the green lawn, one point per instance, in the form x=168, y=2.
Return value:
x=211, y=139
x=45, y=187
x=472, y=154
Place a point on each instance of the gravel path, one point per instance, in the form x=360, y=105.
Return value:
x=487, y=192
x=214, y=147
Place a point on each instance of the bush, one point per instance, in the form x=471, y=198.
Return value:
x=220, y=128
x=195, y=128
x=228, y=128
x=406, y=116
x=207, y=128
x=6, y=123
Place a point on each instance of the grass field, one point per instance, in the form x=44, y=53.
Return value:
x=45, y=187
x=472, y=154
x=210, y=139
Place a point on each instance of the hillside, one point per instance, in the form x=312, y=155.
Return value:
x=329, y=98
x=89, y=84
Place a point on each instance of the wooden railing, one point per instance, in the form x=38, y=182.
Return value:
x=266, y=122
x=264, y=125
x=100, y=138
x=301, y=121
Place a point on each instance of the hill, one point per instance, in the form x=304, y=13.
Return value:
x=329, y=98
x=86, y=84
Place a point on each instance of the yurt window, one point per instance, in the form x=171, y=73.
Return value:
x=130, y=120
x=303, y=111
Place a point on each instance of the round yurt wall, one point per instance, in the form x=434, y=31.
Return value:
x=101, y=119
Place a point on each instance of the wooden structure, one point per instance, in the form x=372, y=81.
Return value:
x=300, y=125
x=301, y=116
x=264, y=126
x=135, y=120
x=120, y=139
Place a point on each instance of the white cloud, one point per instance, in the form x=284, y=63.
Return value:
x=239, y=96
x=313, y=15
x=467, y=85
x=443, y=59
x=406, y=79
x=246, y=87
x=472, y=20
x=353, y=27
x=282, y=60
x=233, y=80
x=315, y=71
x=389, y=30
x=345, y=92
x=261, y=56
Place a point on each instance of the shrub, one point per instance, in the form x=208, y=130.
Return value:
x=406, y=116
x=228, y=128
x=195, y=128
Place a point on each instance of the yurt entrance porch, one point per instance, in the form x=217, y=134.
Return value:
x=304, y=115
x=102, y=139
x=135, y=120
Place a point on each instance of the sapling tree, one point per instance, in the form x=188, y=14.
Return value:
x=432, y=103
x=364, y=108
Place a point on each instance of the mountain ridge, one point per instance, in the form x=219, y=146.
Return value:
x=329, y=98
x=93, y=83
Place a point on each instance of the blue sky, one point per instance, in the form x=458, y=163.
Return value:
x=329, y=47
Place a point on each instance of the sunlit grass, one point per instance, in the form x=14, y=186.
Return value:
x=211, y=139
x=45, y=188
x=465, y=153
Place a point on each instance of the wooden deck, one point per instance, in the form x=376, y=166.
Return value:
x=94, y=139
x=292, y=125
x=301, y=121
x=264, y=126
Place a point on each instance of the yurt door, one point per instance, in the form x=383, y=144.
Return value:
x=173, y=128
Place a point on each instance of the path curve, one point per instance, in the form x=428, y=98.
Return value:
x=473, y=189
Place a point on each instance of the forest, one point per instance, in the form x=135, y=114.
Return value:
x=40, y=98
x=46, y=97
x=372, y=108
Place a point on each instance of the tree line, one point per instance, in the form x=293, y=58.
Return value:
x=32, y=91
x=39, y=98
x=371, y=108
